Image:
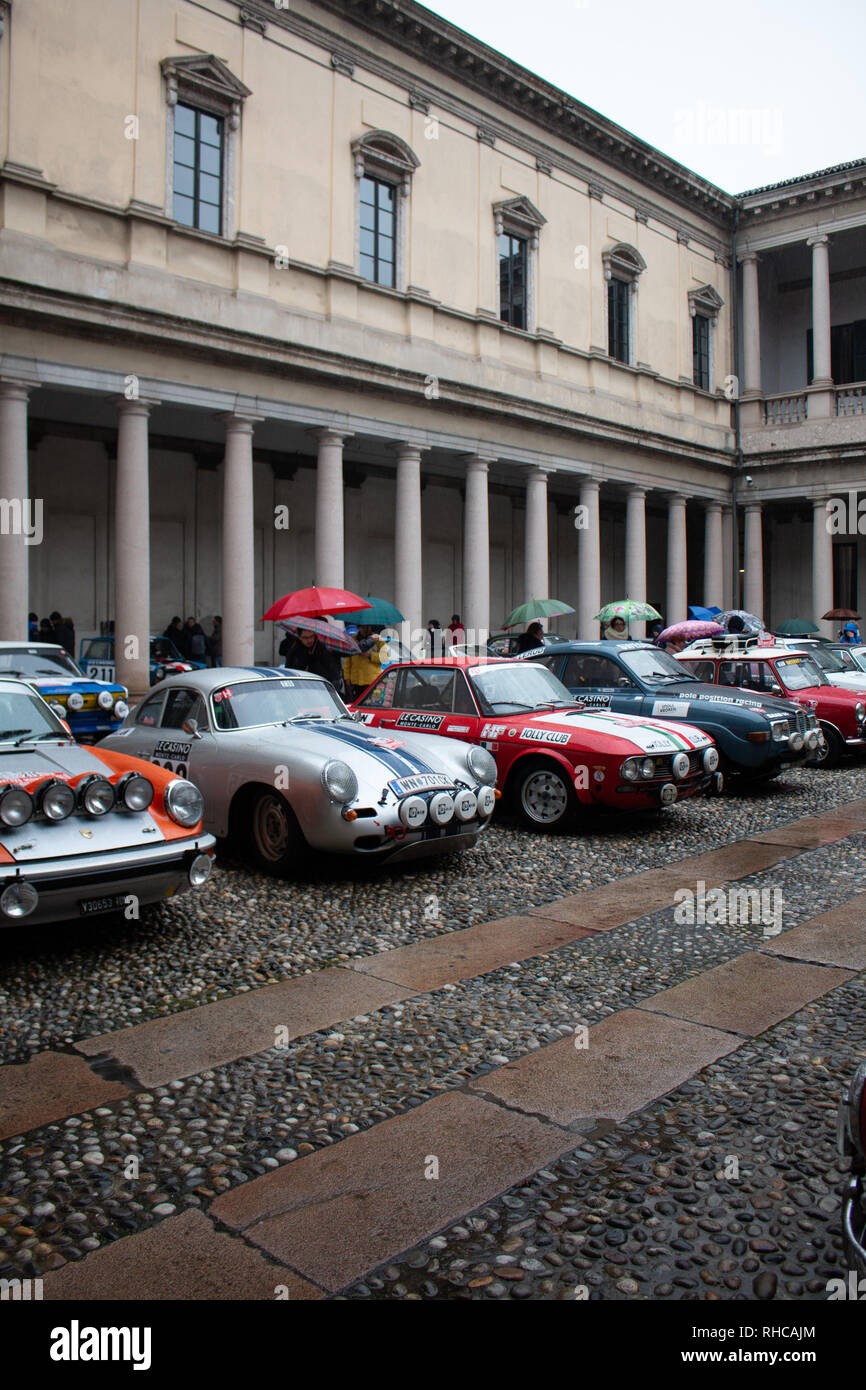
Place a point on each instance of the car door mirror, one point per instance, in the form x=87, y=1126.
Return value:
x=776, y=689
x=624, y=683
x=190, y=726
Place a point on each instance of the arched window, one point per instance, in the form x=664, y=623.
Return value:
x=384, y=165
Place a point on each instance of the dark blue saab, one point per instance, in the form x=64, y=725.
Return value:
x=757, y=734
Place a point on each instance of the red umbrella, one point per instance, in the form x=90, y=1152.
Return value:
x=314, y=603
x=329, y=634
x=840, y=613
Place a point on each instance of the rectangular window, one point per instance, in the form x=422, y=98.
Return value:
x=701, y=351
x=512, y=280
x=618, y=292
x=847, y=353
x=378, y=231
x=845, y=575
x=198, y=169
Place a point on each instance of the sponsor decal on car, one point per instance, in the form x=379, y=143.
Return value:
x=545, y=735
x=592, y=701
x=389, y=742
x=531, y=654
x=733, y=700
x=421, y=782
x=669, y=707
x=169, y=748
x=418, y=720
x=493, y=731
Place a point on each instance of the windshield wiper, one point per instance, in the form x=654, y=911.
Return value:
x=496, y=705
x=31, y=737
x=11, y=733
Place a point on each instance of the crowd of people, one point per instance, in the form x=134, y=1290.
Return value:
x=190, y=640
x=54, y=628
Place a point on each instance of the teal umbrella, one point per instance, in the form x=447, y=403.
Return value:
x=381, y=613
x=797, y=627
x=629, y=609
x=536, y=608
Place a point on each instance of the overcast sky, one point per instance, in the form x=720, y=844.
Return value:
x=745, y=92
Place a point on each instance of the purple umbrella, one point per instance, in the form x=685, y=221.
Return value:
x=328, y=633
x=692, y=629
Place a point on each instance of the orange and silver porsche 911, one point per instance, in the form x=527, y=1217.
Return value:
x=84, y=831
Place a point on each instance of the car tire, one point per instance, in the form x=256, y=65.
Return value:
x=542, y=796
x=834, y=751
x=276, y=843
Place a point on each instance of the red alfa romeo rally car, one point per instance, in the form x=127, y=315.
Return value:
x=551, y=756
x=775, y=670
x=84, y=831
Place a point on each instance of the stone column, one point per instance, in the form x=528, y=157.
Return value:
x=132, y=547
x=677, y=598
x=635, y=553
x=407, y=540
x=21, y=516
x=589, y=564
x=476, y=551
x=714, y=584
x=753, y=561
x=536, y=579
x=751, y=383
x=329, y=508
x=822, y=565
x=238, y=601
x=821, y=372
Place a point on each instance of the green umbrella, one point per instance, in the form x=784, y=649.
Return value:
x=536, y=608
x=797, y=627
x=381, y=613
x=629, y=609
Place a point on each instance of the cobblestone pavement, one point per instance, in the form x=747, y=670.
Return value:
x=725, y=1185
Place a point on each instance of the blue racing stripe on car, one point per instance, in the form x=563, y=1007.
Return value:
x=402, y=764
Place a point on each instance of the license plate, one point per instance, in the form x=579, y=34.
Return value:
x=112, y=904
x=421, y=782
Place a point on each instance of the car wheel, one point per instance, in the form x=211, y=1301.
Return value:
x=831, y=755
x=543, y=796
x=276, y=841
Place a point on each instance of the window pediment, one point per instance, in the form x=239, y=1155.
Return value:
x=707, y=301
x=381, y=154
x=206, y=81
x=623, y=262
x=518, y=215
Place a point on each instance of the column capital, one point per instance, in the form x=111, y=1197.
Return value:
x=636, y=490
x=239, y=422
x=134, y=405
x=17, y=388
x=328, y=434
x=712, y=504
x=405, y=448
x=477, y=463
x=747, y=257
x=537, y=470
x=676, y=499
x=819, y=239
x=753, y=506
x=590, y=485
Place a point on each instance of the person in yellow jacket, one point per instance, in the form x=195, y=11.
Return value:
x=361, y=668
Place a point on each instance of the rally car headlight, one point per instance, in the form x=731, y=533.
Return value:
x=465, y=805
x=680, y=766
x=200, y=870
x=57, y=800
x=96, y=796
x=105, y=699
x=135, y=791
x=781, y=728
x=121, y=709
x=413, y=812
x=648, y=768
x=16, y=806
x=184, y=802
x=711, y=760
x=486, y=801
x=75, y=700
x=796, y=742
x=19, y=899
x=339, y=781
x=630, y=769
x=441, y=808
x=860, y=710
x=482, y=765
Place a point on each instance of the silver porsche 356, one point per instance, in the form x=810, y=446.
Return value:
x=284, y=766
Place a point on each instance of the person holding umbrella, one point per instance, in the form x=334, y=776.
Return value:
x=531, y=638
x=362, y=667
x=303, y=651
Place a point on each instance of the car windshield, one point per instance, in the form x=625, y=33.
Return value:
x=24, y=715
x=29, y=661
x=246, y=704
x=162, y=649
x=827, y=660
x=518, y=687
x=98, y=648
x=799, y=672
x=845, y=657
x=858, y=656
x=654, y=666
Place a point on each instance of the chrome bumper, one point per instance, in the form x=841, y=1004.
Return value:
x=854, y=1226
x=160, y=872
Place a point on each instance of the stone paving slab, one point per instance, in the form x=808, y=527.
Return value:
x=837, y=937
x=184, y=1044
x=632, y=1058
x=747, y=995
x=51, y=1086
x=184, y=1257
x=350, y=1207
x=613, y=904
x=459, y=955
x=811, y=834
x=736, y=860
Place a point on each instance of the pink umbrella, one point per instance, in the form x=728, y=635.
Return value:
x=692, y=629
x=329, y=634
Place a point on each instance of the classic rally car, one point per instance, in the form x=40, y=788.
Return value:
x=96, y=655
x=284, y=767
x=85, y=831
x=837, y=669
x=851, y=1143
x=90, y=707
x=773, y=670
x=756, y=735
x=551, y=756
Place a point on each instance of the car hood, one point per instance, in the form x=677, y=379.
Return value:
x=376, y=754
x=59, y=684
x=635, y=734
x=845, y=680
